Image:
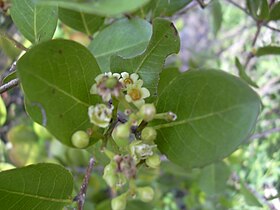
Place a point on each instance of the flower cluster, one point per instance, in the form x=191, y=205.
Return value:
x=108, y=85
x=127, y=128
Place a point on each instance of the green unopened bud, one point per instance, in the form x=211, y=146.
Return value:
x=148, y=134
x=145, y=194
x=121, y=135
x=153, y=161
x=80, y=139
x=147, y=112
x=110, y=175
x=119, y=203
x=111, y=82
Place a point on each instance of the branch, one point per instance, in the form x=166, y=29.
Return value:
x=265, y=133
x=13, y=83
x=80, y=198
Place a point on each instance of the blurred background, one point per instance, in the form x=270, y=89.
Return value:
x=212, y=37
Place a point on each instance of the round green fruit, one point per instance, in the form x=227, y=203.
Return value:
x=80, y=139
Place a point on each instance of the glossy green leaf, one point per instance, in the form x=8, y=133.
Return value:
x=164, y=42
x=250, y=198
x=10, y=77
x=166, y=76
x=217, y=16
x=8, y=47
x=41, y=186
x=160, y=8
x=216, y=112
x=80, y=21
x=56, y=77
x=102, y=8
x=213, y=179
x=3, y=112
x=126, y=38
x=259, y=9
x=268, y=50
x=242, y=73
x=275, y=12
x=37, y=23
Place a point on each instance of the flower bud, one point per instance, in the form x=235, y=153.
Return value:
x=171, y=116
x=148, y=134
x=121, y=135
x=145, y=194
x=110, y=175
x=153, y=161
x=100, y=115
x=119, y=203
x=147, y=112
x=80, y=139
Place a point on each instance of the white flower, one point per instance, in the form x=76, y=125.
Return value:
x=100, y=115
x=106, y=85
x=136, y=93
x=128, y=79
x=140, y=151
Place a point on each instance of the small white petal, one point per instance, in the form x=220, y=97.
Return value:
x=139, y=83
x=134, y=77
x=128, y=98
x=99, y=77
x=117, y=75
x=125, y=75
x=145, y=92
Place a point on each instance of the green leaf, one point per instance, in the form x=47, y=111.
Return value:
x=41, y=186
x=10, y=77
x=56, y=77
x=259, y=9
x=213, y=179
x=216, y=112
x=36, y=23
x=3, y=112
x=250, y=198
x=166, y=76
x=268, y=50
x=243, y=75
x=80, y=21
x=165, y=41
x=9, y=47
x=102, y=8
x=126, y=38
x=217, y=16
x=274, y=13
x=164, y=7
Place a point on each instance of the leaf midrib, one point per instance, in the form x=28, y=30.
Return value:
x=37, y=196
x=60, y=90
x=185, y=121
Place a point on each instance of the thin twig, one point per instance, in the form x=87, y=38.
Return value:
x=13, y=83
x=80, y=198
x=15, y=42
x=265, y=133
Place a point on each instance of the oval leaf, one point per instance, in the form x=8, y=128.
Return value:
x=41, y=186
x=102, y=8
x=37, y=23
x=56, y=77
x=216, y=113
x=165, y=41
x=126, y=38
x=274, y=13
x=268, y=50
x=80, y=21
